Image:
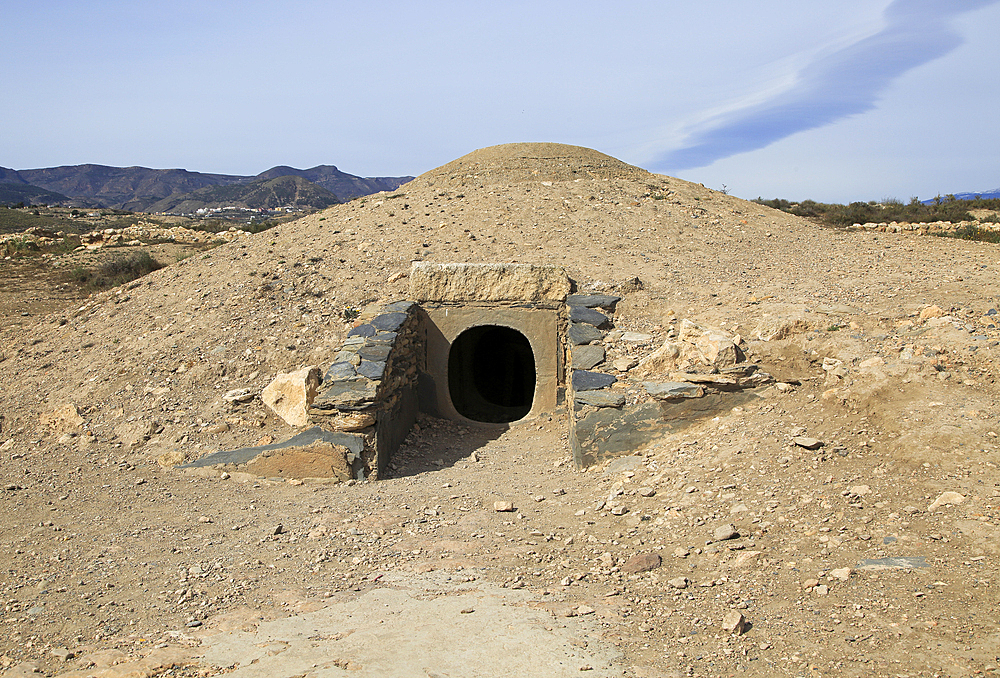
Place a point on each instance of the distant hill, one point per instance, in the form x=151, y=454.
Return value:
x=283, y=191
x=9, y=176
x=17, y=193
x=127, y=188
x=138, y=188
x=992, y=194
x=343, y=185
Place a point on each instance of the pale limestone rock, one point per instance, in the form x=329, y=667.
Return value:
x=350, y=421
x=747, y=559
x=290, y=395
x=689, y=331
x=724, y=532
x=931, y=312
x=62, y=419
x=170, y=459
x=625, y=364
x=487, y=282
x=718, y=349
x=238, y=395
x=773, y=328
x=946, y=499
x=734, y=622
x=661, y=361
x=841, y=573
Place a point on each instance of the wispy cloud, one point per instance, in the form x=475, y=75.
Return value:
x=834, y=86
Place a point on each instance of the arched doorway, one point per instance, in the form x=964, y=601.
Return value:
x=491, y=374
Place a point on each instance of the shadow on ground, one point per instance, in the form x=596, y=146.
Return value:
x=434, y=444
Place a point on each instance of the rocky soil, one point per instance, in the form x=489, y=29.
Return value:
x=841, y=522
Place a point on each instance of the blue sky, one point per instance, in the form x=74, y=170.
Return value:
x=834, y=101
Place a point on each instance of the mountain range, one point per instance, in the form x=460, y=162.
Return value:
x=991, y=194
x=141, y=189
x=985, y=195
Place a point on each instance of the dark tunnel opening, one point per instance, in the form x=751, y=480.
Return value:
x=491, y=374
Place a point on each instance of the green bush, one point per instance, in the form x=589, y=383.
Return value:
x=971, y=232
x=947, y=208
x=115, y=272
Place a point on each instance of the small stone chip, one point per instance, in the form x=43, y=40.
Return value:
x=641, y=562
x=503, y=506
x=724, y=532
x=841, y=573
x=468, y=610
x=62, y=653
x=646, y=491
x=679, y=582
x=808, y=443
x=734, y=622
x=946, y=499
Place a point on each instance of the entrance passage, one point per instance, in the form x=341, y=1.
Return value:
x=491, y=374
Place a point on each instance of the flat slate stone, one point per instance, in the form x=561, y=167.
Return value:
x=897, y=563
x=340, y=371
x=600, y=399
x=582, y=333
x=398, y=307
x=354, y=443
x=362, y=331
x=348, y=394
x=371, y=369
x=389, y=322
x=585, y=357
x=376, y=353
x=582, y=314
x=607, y=301
x=670, y=390
x=591, y=381
x=383, y=338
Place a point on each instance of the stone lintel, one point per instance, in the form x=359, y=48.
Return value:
x=487, y=282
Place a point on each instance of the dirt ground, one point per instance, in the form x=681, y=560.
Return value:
x=37, y=285
x=874, y=554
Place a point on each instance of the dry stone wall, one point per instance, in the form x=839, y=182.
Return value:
x=371, y=386
x=621, y=405
x=925, y=228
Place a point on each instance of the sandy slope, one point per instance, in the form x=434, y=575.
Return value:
x=106, y=549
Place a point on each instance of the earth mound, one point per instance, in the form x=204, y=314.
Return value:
x=521, y=162
x=841, y=522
